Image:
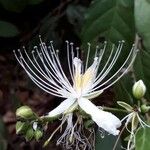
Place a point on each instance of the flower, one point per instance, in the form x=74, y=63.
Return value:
x=139, y=89
x=45, y=70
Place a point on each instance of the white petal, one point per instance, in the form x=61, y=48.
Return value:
x=92, y=94
x=61, y=108
x=105, y=120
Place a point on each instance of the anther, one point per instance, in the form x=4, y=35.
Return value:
x=71, y=43
x=105, y=42
x=35, y=47
x=89, y=44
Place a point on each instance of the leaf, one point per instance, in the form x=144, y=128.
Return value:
x=142, y=21
x=142, y=139
x=102, y=142
x=7, y=29
x=111, y=19
x=123, y=90
x=14, y=5
x=142, y=17
x=141, y=68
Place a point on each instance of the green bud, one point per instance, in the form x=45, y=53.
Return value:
x=38, y=134
x=29, y=134
x=25, y=112
x=21, y=127
x=139, y=89
x=144, y=108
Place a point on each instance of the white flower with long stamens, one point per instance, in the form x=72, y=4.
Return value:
x=45, y=70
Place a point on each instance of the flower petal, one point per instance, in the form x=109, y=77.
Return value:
x=105, y=120
x=62, y=107
x=93, y=94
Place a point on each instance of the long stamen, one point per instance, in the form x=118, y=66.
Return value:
x=87, y=57
x=100, y=78
x=133, y=53
x=47, y=87
x=68, y=58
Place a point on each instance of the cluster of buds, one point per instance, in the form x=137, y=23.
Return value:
x=28, y=124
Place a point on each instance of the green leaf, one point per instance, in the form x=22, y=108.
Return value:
x=111, y=19
x=123, y=90
x=141, y=68
x=14, y=5
x=7, y=29
x=142, y=139
x=142, y=21
x=106, y=142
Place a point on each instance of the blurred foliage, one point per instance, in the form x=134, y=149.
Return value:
x=17, y=5
x=7, y=29
x=79, y=21
x=142, y=21
x=142, y=136
x=104, y=142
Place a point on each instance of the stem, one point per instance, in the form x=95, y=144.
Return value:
x=115, y=146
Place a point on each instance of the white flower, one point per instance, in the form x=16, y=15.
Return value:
x=45, y=70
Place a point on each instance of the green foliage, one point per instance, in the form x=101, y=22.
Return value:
x=142, y=139
x=141, y=68
x=7, y=29
x=142, y=21
x=106, y=142
x=17, y=5
x=111, y=19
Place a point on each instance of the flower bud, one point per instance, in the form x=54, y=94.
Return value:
x=139, y=89
x=25, y=112
x=21, y=127
x=38, y=134
x=29, y=134
x=145, y=108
